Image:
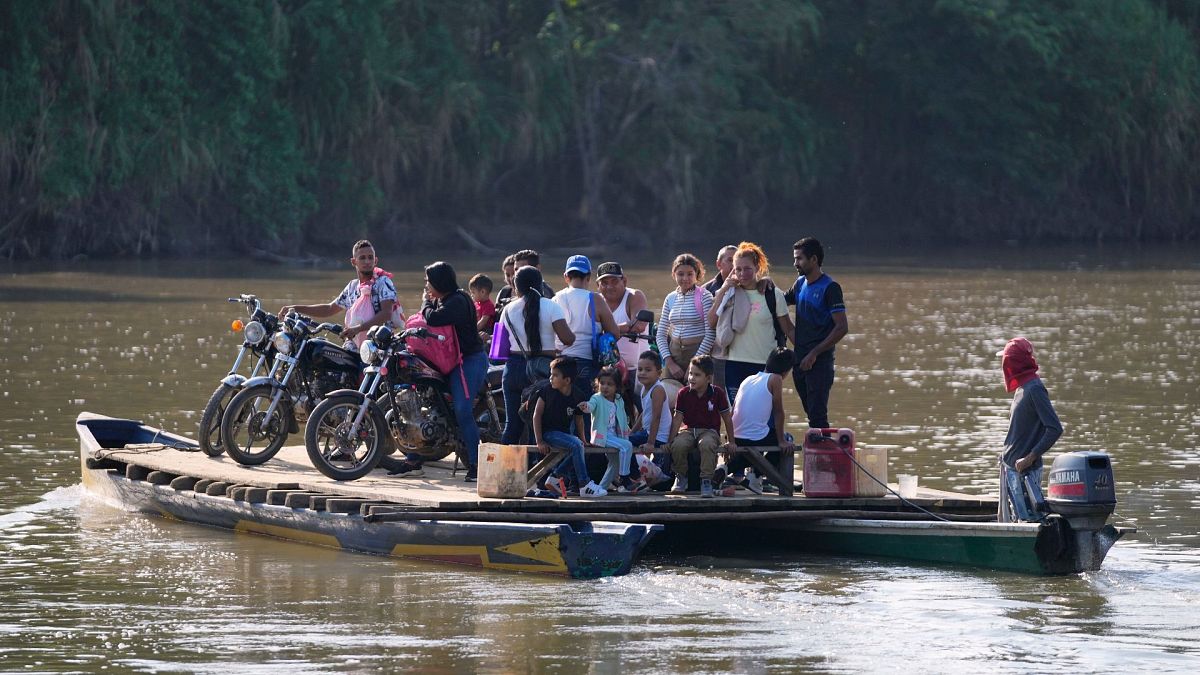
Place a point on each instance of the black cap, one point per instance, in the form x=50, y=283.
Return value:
x=609, y=269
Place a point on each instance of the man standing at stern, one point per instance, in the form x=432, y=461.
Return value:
x=1033, y=428
x=820, y=324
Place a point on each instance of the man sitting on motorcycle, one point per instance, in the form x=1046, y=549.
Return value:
x=370, y=300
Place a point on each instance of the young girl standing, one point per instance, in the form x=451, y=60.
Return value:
x=610, y=429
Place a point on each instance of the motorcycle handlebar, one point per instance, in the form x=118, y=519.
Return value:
x=251, y=301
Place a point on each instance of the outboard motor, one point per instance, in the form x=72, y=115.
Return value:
x=1082, y=489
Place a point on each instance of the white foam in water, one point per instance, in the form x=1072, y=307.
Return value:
x=59, y=498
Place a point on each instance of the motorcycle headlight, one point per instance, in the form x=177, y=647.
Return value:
x=283, y=343
x=368, y=352
x=254, y=332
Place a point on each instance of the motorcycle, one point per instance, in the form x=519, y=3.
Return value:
x=489, y=418
x=270, y=407
x=404, y=403
x=255, y=342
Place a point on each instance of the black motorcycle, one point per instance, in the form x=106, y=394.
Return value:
x=260, y=417
x=256, y=342
x=404, y=403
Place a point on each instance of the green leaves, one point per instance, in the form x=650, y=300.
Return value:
x=283, y=122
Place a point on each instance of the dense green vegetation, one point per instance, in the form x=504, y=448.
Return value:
x=139, y=127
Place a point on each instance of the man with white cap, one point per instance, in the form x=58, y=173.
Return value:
x=1033, y=428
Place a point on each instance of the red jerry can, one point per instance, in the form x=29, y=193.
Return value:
x=828, y=463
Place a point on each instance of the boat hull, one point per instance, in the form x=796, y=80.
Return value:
x=1032, y=548
x=577, y=550
x=437, y=518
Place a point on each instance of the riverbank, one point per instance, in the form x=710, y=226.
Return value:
x=840, y=254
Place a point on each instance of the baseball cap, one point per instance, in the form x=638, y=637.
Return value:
x=579, y=263
x=609, y=269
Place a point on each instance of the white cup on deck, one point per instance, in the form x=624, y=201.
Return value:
x=908, y=485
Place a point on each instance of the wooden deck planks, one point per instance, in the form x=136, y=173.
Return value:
x=290, y=474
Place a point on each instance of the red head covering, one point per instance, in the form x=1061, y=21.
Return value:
x=1019, y=365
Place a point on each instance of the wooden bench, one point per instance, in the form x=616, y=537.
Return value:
x=780, y=474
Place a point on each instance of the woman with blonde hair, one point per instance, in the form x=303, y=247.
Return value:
x=750, y=316
x=684, y=330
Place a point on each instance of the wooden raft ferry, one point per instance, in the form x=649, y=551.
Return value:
x=440, y=518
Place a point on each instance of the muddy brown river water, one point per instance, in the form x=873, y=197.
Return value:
x=87, y=588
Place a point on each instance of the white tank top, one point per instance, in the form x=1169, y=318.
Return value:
x=752, y=408
x=629, y=350
x=664, y=415
x=575, y=305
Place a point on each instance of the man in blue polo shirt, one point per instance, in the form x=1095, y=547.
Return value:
x=820, y=323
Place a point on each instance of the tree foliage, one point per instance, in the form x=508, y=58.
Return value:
x=134, y=127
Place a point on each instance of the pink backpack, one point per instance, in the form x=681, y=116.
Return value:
x=443, y=355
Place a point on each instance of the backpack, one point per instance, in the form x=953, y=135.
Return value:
x=604, y=345
x=529, y=399
x=769, y=297
x=443, y=355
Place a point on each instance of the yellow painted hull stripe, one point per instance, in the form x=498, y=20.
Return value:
x=552, y=563
x=287, y=533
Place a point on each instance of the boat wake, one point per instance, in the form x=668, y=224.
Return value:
x=61, y=498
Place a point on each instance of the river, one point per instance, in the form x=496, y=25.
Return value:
x=88, y=588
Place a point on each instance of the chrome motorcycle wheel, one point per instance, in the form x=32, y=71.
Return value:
x=249, y=435
x=333, y=449
x=210, y=420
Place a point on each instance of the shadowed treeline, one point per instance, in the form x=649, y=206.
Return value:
x=174, y=126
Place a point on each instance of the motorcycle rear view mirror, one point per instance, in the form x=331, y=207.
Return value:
x=645, y=315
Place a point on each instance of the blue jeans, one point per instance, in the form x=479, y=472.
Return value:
x=1014, y=507
x=513, y=382
x=574, y=448
x=736, y=372
x=474, y=371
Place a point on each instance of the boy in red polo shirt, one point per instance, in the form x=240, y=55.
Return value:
x=700, y=408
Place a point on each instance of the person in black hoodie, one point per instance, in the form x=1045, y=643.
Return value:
x=448, y=305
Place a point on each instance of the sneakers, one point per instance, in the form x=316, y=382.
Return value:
x=592, y=490
x=556, y=485
x=407, y=469
x=630, y=486
x=706, y=490
x=681, y=484
x=754, y=484
x=472, y=474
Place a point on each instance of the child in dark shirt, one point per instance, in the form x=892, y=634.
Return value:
x=556, y=411
x=701, y=408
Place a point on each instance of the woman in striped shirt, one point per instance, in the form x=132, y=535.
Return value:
x=683, y=329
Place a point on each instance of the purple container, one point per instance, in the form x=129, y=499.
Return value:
x=499, y=349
